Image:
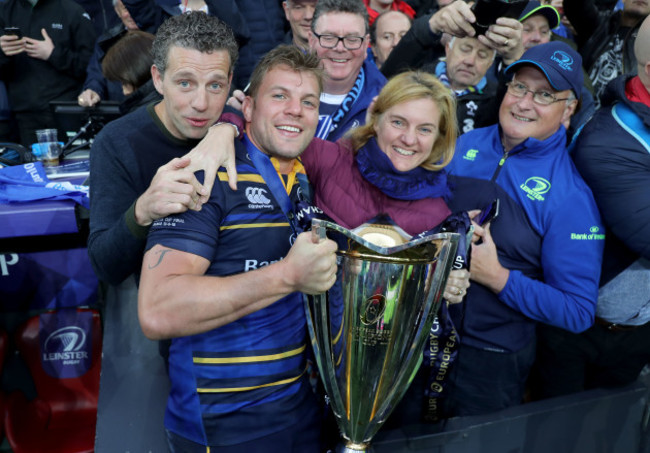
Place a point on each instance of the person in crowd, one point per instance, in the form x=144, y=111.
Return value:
x=299, y=14
x=376, y=7
x=340, y=38
x=224, y=283
x=424, y=43
x=606, y=39
x=131, y=186
x=97, y=87
x=612, y=155
x=129, y=62
x=538, y=21
x=47, y=62
x=386, y=32
x=462, y=63
x=524, y=269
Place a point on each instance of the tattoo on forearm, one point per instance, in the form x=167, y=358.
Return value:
x=160, y=258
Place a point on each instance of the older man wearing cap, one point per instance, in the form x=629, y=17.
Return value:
x=539, y=259
x=538, y=21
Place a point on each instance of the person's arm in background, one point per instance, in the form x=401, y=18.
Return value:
x=417, y=47
x=94, y=88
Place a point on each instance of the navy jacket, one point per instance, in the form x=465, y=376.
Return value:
x=616, y=165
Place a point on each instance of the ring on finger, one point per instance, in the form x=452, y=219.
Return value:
x=459, y=291
x=505, y=43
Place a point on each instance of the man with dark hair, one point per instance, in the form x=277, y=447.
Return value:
x=194, y=56
x=340, y=38
x=140, y=172
x=224, y=284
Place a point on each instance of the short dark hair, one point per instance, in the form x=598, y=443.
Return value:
x=194, y=30
x=129, y=60
x=290, y=56
x=340, y=6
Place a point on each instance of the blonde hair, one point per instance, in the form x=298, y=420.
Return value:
x=410, y=86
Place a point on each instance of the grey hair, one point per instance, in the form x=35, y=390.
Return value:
x=340, y=6
x=194, y=30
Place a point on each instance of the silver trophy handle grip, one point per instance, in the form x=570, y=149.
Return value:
x=318, y=233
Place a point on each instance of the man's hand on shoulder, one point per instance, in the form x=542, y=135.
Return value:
x=174, y=189
x=310, y=267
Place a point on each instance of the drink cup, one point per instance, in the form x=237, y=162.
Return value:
x=46, y=135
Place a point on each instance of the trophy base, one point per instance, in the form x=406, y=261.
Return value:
x=352, y=447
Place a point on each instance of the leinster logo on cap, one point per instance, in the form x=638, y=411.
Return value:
x=563, y=59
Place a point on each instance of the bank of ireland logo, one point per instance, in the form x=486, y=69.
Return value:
x=257, y=198
x=535, y=187
x=563, y=59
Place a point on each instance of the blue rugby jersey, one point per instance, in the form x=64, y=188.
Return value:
x=229, y=382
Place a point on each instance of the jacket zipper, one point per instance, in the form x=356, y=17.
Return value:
x=500, y=166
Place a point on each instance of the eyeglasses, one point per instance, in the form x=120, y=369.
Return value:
x=331, y=41
x=541, y=97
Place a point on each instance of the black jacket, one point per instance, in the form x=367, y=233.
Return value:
x=616, y=166
x=595, y=29
x=33, y=83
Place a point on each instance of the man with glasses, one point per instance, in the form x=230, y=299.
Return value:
x=539, y=259
x=340, y=38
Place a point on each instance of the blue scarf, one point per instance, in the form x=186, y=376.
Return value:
x=378, y=170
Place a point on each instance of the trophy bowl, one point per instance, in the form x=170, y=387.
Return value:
x=368, y=331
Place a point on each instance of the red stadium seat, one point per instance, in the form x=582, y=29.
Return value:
x=62, y=350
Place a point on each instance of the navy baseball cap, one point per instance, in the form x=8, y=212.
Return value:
x=534, y=8
x=561, y=65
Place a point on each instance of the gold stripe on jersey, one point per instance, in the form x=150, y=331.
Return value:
x=249, y=359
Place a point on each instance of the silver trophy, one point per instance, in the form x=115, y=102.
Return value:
x=368, y=331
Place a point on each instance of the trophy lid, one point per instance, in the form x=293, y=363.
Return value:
x=380, y=235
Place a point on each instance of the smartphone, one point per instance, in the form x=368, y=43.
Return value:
x=13, y=31
x=489, y=213
x=488, y=11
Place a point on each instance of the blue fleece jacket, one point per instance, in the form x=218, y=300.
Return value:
x=548, y=234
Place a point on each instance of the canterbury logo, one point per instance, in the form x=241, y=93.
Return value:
x=257, y=195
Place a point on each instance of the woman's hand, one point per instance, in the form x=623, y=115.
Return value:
x=457, y=285
x=216, y=150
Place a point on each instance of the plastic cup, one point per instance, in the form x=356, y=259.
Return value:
x=46, y=136
x=48, y=153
